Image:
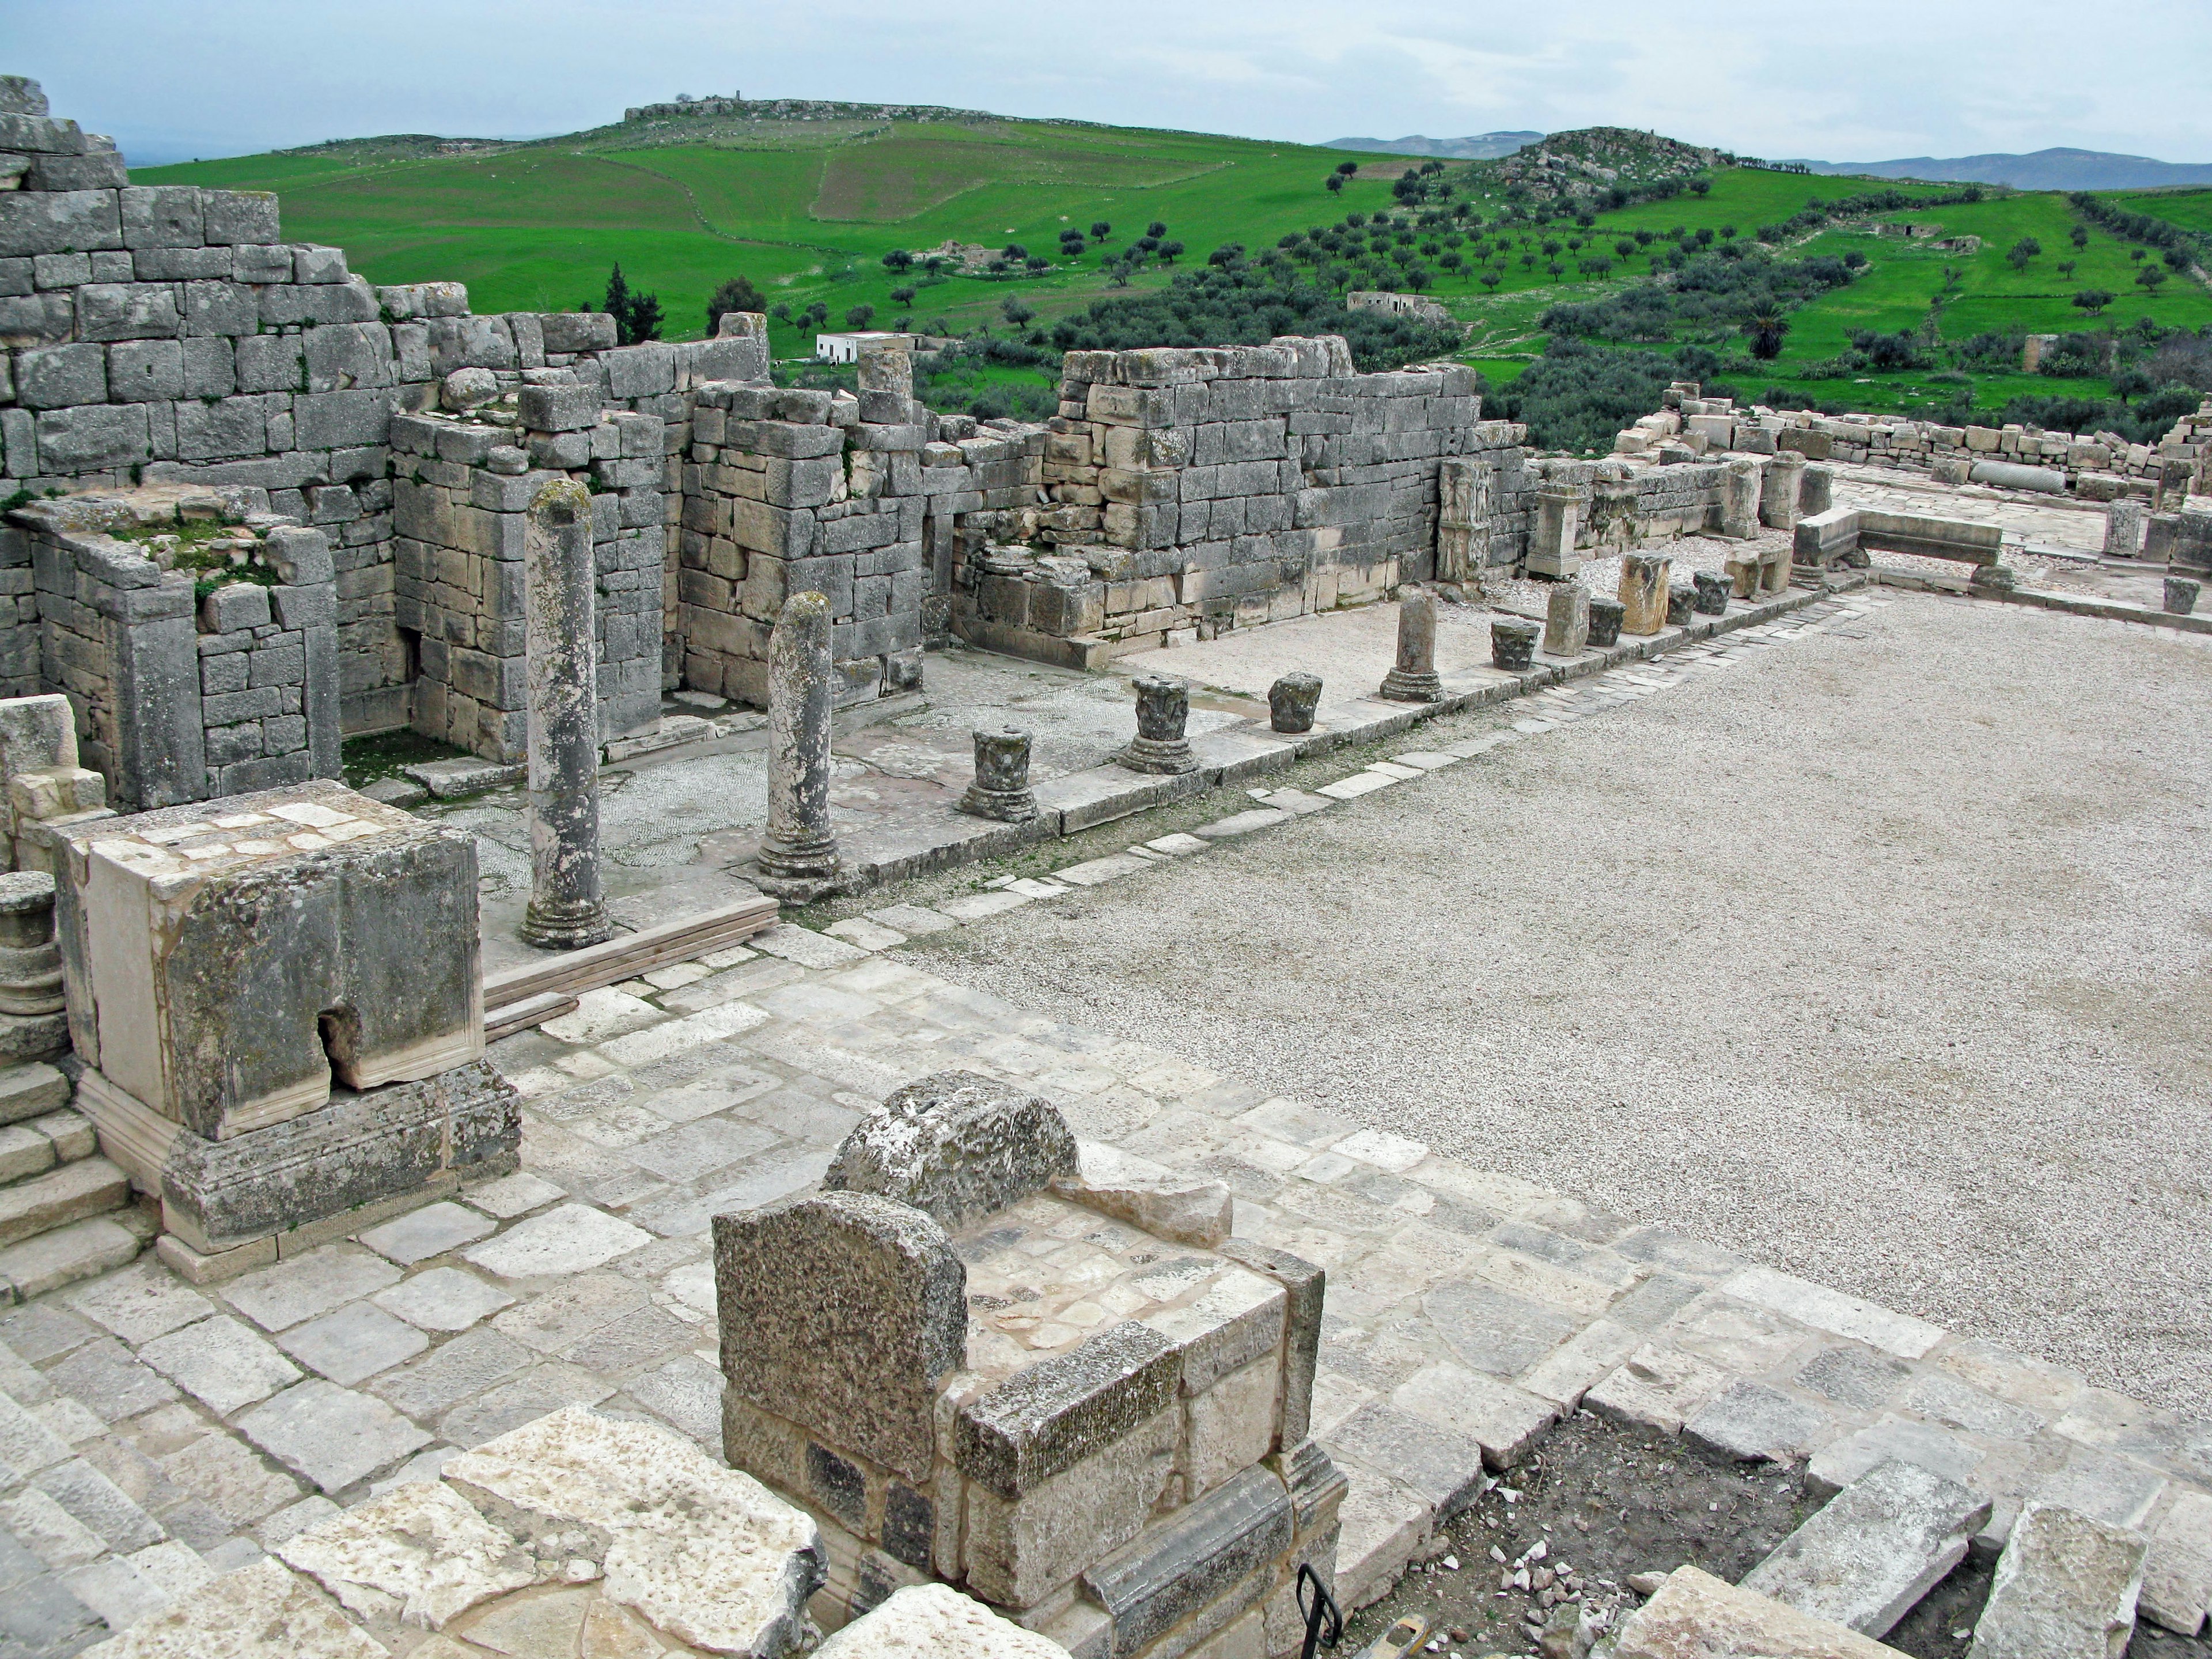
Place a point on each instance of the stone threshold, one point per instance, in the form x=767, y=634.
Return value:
x=1239, y=754
x=2043, y=600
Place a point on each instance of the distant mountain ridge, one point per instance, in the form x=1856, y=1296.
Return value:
x=1481, y=147
x=2057, y=168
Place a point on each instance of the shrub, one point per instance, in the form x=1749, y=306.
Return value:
x=737, y=294
x=1577, y=396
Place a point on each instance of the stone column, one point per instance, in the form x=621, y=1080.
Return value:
x=1291, y=701
x=1605, y=617
x=32, y=1021
x=1552, y=540
x=1512, y=644
x=568, y=908
x=1160, y=745
x=1816, y=491
x=1778, y=490
x=1567, y=619
x=1644, y=580
x=1413, y=679
x=2123, y=529
x=2180, y=596
x=799, y=857
x=1740, y=498
x=1001, y=788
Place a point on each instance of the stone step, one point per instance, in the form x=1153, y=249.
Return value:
x=31, y=1090
x=33, y=1147
x=2065, y=1588
x=89, y=1186
x=82, y=1250
x=1879, y=1546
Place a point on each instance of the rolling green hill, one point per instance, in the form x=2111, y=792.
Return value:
x=807, y=208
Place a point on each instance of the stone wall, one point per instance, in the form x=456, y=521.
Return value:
x=180, y=694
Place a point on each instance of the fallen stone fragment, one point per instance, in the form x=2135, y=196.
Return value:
x=1882, y=1543
x=2178, y=1575
x=1695, y=1615
x=957, y=1144
x=1169, y=1206
x=2065, y=1588
x=935, y=1621
x=419, y=1556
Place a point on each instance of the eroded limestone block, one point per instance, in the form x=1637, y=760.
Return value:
x=1644, y=578
x=419, y=1555
x=840, y=1313
x=1045, y=1420
x=261, y=1611
x=1696, y=1616
x=935, y=1621
x=1879, y=1546
x=225, y=960
x=703, y=1552
x=2065, y=1588
x=1148, y=1195
x=957, y=1145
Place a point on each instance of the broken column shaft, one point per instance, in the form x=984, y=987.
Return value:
x=568, y=908
x=799, y=858
x=1413, y=678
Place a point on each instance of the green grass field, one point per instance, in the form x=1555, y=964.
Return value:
x=807, y=211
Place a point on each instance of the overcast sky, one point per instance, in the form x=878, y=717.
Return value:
x=177, y=79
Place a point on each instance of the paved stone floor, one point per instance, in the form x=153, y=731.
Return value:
x=153, y=1434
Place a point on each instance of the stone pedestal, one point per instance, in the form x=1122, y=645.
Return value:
x=1643, y=582
x=33, y=1022
x=1162, y=713
x=1291, y=701
x=1605, y=616
x=1567, y=619
x=1816, y=492
x=1740, y=493
x=1779, y=487
x=2180, y=596
x=1463, y=515
x=2123, y=529
x=907, y=1357
x=1413, y=678
x=1682, y=603
x=1001, y=788
x=44, y=784
x=1551, y=538
x=568, y=907
x=1512, y=644
x=1712, y=588
x=799, y=857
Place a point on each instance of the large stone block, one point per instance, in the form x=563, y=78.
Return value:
x=2065, y=1588
x=957, y=1145
x=841, y=1314
x=1210, y=1557
x=1056, y=1415
x=227, y=961
x=935, y=1621
x=1880, y=1545
x=1698, y=1616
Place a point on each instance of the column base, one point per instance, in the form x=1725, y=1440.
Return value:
x=1398, y=686
x=1168, y=759
x=1007, y=806
x=566, y=925
x=799, y=875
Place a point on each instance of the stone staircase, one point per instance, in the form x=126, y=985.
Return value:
x=65, y=1212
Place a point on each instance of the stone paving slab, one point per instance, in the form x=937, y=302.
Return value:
x=170, y=1424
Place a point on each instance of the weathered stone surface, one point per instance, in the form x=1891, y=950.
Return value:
x=2177, y=1587
x=260, y=1612
x=419, y=1555
x=239, y=964
x=840, y=1313
x=1878, y=1547
x=1753, y=1422
x=1001, y=786
x=1696, y=1616
x=1017, y=1550
x=1712, y=592
x=1161, y=745
x=1512, y=644
x=572, y=1239
x=1306, y=1289
x=1605, y=619
x=2180, y=596
x=935, y=1621
x=702, y=1552
x=1644, y=580
x=799, y=855
x=1185, y=1210
x=1291, y=701
x=2065, y=1588
x=957, y=1145
x=1413, y=677
x=331, y=1435
x=1566, y=619
x=1197, y=1559
x=1057, y=1413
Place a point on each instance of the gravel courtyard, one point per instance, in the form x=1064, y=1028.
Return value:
x=1881, y=959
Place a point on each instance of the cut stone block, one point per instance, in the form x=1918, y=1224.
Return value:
x=1832, y=1310
x=260, y=1612
x=1837, y=1465
x=331, y=1435
x=883, y=1316
x=572, y=1239
x=222, y=960
x=1195, y=1560
x=90, y=1187
x=1878, y=1547
x=80, y=1250
x=31, y=1090
x=1148, y=1196
x=935, y=1621
x=1504, y=1419
x=2065, y=1588
x=702, y=1552
x=1657, y=1386
x=1054, y=1415
x=957, y=1145
x=1756, y=1424
x=807, y=948
x=431, y=1230
x=912, y=919
x=1695, y=1615
x=220, y=1363
x=2178, y=1575
x=419, y=1555
x=278, y=1297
